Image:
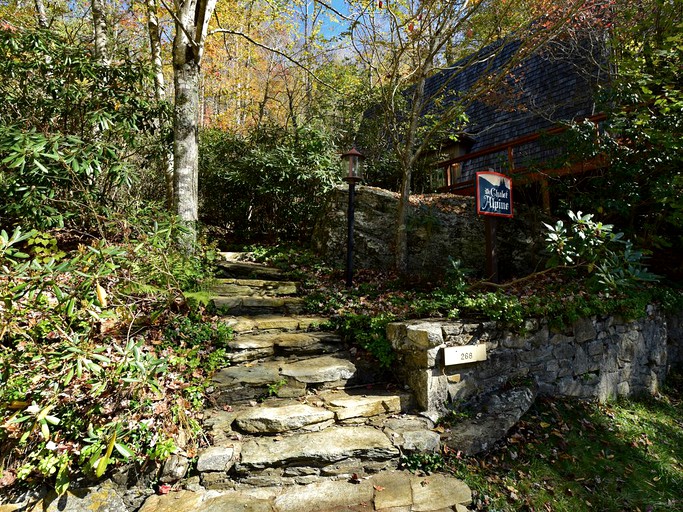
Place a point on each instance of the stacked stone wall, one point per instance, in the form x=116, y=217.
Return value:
x=596, y=358
x=439, y=226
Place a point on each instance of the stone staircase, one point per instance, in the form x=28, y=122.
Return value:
x=297, y=407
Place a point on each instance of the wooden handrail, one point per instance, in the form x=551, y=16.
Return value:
x=524, y=175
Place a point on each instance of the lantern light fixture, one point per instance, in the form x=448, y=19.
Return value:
x=352, y=160
x=353, y=165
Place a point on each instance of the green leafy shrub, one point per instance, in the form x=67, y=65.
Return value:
x=642, y=189
x=496, y=306
x=267, y=185
x=88, y=376
x=610, y=261
x=69, y=130
x=369, y=332
x=423, y=462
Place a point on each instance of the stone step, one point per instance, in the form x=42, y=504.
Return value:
x=252, y=287
x=257, y=346
x=321, y=370
x=258, y=305
x=333, y=452
x=356, y=406
x=297, y=441
x=274, y=323
x=384, y=491
x=284, y=378
x=316, y=412
x=286, y=418
x=249, y=270
x=408, y=431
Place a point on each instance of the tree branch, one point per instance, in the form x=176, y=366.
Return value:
x=273, y=50
x=509, y=284
x=179, y=23
x=335, y=11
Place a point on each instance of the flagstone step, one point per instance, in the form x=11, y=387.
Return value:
x=273, y=443
x=320, y=370
x=314, y=412
x=257, y=346
x=248, y=270
x=389, y=491
x=235, y=256
x=274, y=323
x=356, y=406
x=252, y=287
x=254, y=304
x=335, y=451
x=286, y=418
x=283, y=378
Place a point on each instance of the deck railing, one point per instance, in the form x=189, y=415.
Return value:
x=521, y=174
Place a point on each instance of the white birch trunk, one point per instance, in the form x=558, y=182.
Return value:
x=101, y=37
x=41, y=13
x=155, y=49
x=192, y=20
x=185, y=143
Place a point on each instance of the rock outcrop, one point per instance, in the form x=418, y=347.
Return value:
x=441, y=226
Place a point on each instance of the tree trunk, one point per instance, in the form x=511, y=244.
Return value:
x=185, y=143
x=409, y=155
x=160, y=89
x=402, y=222
x=41, y=13
x=101, y=37
x=192, y=21
x=155, y=49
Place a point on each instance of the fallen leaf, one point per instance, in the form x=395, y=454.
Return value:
x=378, y=488
x=8, y=478
x=164, y=489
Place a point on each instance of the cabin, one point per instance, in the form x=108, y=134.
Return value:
x=508, y=130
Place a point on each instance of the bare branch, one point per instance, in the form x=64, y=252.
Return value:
x=273, y=50
x=332, y=9
x=179, y=23
x=514, y=282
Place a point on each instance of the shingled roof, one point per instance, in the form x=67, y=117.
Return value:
x=555, y=84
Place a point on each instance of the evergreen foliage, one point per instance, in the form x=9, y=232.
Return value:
x=267, y=185
x=70, y=130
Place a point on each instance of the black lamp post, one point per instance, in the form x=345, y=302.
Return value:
x=353, y=174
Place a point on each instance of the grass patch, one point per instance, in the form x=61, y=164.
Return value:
x=570, y=455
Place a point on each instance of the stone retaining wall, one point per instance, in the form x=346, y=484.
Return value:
x=439, y=226
x=596, y=358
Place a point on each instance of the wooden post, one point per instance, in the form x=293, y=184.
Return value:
x=545, y=194
x=490, y=225
x=511, y=160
